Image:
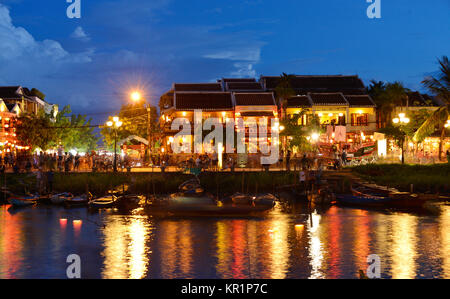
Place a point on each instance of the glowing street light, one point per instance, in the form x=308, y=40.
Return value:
x=136, y=96
x=402, y=120
x=115, y=124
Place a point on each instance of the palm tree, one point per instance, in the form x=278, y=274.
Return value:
x=440, y=87
x=387, y=97
x=284, y=91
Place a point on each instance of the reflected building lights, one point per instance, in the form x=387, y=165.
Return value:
x=315, y=246
x=404, y=246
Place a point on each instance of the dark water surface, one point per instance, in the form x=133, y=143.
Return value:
x=335, y=243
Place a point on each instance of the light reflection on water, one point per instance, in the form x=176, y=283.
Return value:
x=334, y=243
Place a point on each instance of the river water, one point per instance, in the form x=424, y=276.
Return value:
x=287, y=243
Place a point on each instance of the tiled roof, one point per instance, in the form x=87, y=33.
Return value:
x=254, y=99
x=9, y=92
x=256, y=114
x=304, y=84
x=360, y=101
x=198, y=87
x=320, y=99
x=203, y=100
x=243, y=86
x=416, y=99
x=298, y=102
x=237, y=80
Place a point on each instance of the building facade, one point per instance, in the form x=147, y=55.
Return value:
x=338, y=101
x=14, y=101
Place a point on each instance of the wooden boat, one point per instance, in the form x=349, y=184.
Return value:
x=23, y=201
x=392, y=198
x=129, y=202
x=193, y=201
x=59, y=199
x=103, y=202
x=77, y=201
x=353, y=200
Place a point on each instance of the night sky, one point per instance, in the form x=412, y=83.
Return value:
x=93, y=62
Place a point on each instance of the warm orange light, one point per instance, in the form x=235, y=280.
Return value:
x=136, y=96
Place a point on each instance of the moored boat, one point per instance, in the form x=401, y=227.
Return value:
x=23, y=201
x=103, y=202
x=78, y=201
x=59, y=199
x=193, y=201
x=129, y=202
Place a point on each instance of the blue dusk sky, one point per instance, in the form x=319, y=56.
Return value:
x=93, y=62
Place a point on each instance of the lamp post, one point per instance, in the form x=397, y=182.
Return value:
x=136, y=96
x=115, y=124
x=401, y=121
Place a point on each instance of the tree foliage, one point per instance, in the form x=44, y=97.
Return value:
x=134, y=118
x=298, y=134
x=36, y=92
x=284, y=90
x=35, y=131
x=44, y=132
x=439, y=85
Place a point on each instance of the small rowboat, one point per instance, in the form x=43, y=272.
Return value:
x=78, y=201
x=59, y=199
x=129, y=202
x=103, y=202
x=23, y=201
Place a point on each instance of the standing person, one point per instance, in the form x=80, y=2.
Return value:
x=302, y=179
x=77, y=162
x=448, y=156
x=288, y=160
x=344, y=157
x=67, y=164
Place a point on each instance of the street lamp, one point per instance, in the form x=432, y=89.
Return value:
x=401, y=121
x=115, y=124
x=136, y=97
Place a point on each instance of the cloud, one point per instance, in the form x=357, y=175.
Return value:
x=25, y=60
x=79, y=34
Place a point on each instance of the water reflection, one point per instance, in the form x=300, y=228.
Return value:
x=126, y=252
x=315, y=246
x=444, y=227
x=330, y=244
x=404, y=246
x=176, y=249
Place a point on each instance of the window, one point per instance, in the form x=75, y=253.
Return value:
x=360, y=119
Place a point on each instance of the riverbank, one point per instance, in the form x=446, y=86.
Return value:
x=425, y=178
x=153, y=183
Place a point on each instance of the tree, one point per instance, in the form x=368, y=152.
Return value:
x=298, y=134
x=284, y=91
x=439, y=86
x=44, y=132
x=36, y=92
x=75, y=131
x=387, y=97
x=36, y=131
x=134, y=118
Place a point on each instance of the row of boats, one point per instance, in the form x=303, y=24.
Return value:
x=191, y=199
x=69, y=200
x=365, y=195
